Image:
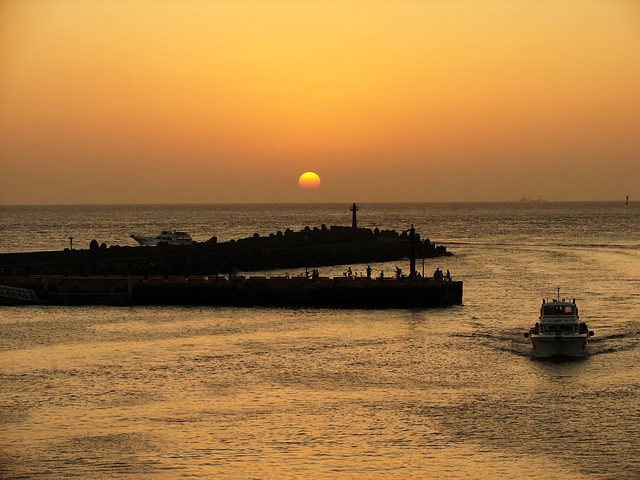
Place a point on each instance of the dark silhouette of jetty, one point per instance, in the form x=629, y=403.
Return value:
x=205, y=273
x=309, y=247
x=336, y=292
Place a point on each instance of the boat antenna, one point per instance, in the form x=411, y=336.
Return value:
x=558, y=292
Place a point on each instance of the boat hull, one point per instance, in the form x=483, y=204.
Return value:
x=144, y=240
x=559, y=345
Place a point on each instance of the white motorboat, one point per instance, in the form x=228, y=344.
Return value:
x=559, y=331
x=171, y=237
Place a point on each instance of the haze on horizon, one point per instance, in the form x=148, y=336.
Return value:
x=388, y=101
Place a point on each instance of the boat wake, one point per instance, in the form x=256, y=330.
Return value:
x=513, y=342
x=618, y=342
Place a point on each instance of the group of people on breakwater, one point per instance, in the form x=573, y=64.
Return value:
x=399, y=275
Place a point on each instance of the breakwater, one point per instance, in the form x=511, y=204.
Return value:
x=206, y=273
x=309, y=247
x=360, y=292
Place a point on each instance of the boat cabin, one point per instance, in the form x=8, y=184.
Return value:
x=559, y=309
x=173, y=235
x=558, y=317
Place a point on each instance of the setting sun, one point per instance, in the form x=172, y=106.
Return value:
x=309, y=180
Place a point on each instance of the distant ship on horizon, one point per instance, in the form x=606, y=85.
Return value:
x=532, y=200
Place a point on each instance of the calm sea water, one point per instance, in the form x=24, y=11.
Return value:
x=182, y=392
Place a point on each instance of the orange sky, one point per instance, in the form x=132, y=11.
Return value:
x=194, y=101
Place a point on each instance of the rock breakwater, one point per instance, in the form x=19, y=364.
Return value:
x=309, y=247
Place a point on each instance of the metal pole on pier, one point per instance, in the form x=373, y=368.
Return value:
x=412, y=258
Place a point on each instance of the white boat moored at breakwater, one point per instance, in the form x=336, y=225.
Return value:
x=171, y=237
x=559, y=331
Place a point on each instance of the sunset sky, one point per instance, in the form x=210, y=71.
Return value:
x=195, y=101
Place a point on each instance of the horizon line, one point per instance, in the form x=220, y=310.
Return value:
x=402, y=202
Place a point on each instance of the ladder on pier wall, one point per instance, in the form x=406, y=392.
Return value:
x=17, y=293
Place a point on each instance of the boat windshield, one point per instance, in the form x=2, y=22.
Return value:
x=559, y=310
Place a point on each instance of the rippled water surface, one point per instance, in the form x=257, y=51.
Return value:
x=236, y=393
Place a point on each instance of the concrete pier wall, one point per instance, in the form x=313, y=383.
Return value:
x=259, y=291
